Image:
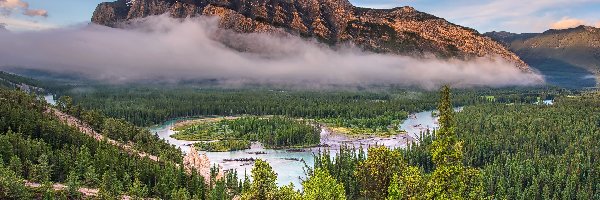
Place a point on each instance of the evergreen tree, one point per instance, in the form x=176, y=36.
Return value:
x=83, y=160
x=180, y=194
x=232, y=182
x=126, y=181
x=450, y=179
x=376, y=172
x=246, y=183
x=408, y=185
x=16, y=166
x=65, y=103
x=41, y=171
x=321, y=185
x=288, y=193
x=110, y=187
x=73, y=184
x=138, y=190
x=196, y=185
x=263, y=185
x=90, y=176
x=219, y=191
x=11, y=186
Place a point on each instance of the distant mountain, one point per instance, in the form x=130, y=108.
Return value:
x=573, y=52
x=402, y=31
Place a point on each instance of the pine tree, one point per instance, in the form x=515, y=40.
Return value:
x=83, y=160
x=41, y=171
x=138, y=190
x=180, y=194
x=219, y=191
x=450, y=179
x=90, y=176
x=289, y=193
x=73, y=184
x=15, y=165
x=321, y=185
x=408, y=185
x=110, y=187
x=11, y=186
x=376, y=172
x=126, y=181
x=263, y=186
x=246, y=183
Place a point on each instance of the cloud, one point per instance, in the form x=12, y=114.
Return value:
x=13, y=4
x=7, y=7
x=22, y=25
x=530, y=16
x=567, y=22
x=495, y=15
x=161, y=48
x=37, y=12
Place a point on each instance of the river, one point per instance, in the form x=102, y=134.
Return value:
x=50, y=99
x=290, y=165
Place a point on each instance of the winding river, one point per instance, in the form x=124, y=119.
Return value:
x=290, y=165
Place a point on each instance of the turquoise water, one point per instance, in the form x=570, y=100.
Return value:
x=421, y=122
x=288, y=170
x=50, y=99
x=290, y=166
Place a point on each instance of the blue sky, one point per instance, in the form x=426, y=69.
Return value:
x=483, y=15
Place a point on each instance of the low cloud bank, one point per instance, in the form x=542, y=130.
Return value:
x=161, y=48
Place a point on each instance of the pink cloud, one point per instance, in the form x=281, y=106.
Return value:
x=8, y=6
x=37, y=12
x=567, y=22
x=12, y=4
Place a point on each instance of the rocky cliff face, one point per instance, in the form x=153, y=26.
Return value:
x=403, y=31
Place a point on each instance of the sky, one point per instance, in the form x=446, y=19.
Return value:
x=483, y=15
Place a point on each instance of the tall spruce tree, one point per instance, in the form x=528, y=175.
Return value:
x=450, y=179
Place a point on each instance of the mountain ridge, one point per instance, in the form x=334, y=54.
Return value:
x=402, y=30
x=570, y=49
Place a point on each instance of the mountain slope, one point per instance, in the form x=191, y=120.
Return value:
x=573, y=51
x=403, y=31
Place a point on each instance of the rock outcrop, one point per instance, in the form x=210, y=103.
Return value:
x=403, y=31
x=193, y=161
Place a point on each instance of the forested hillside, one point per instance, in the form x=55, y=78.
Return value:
x=527, y=151
x=517, y=151
x=36, y=146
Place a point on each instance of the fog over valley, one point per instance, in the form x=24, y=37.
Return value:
x=162, y=48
